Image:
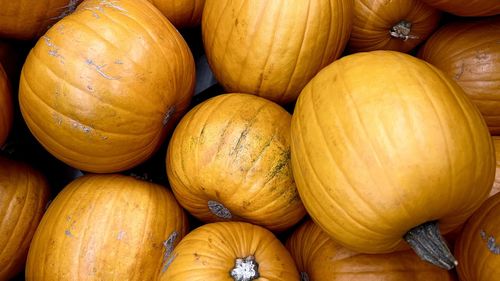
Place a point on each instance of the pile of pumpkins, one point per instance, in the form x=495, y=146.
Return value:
x=353, y=140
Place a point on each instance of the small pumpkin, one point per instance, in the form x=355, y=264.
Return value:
x=101, y=89
x=106, y=227
x=181, y=13
x=469, y=53
x=385, y=147
x=478, y=246
x=27, y=19
x=397, y=25
x=496, y=184
x=230, y=251
x=320, y=258
x=24, y=194
x=6, y=110
x=273, y=48
x=229, y=159
x=467, y=8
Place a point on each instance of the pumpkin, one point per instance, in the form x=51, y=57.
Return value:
x=101, y=89
x=469, y=53
x=496, y=184
x=230, y=251
x=181, y=13
x=385, y=146
x=106, y=227
x=27, y=19
x=320, y=258
x=398, y=25
x=6, y=110
x=467, y=8
x=23, y=196
x=477, y=249
x=229, y=159
x=273, y=48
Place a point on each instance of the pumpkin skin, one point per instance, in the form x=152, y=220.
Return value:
x=477, y=248
x=181, y=13
x=209, y=253
x=101, y=108
x=375, y=19
x=496, y=184
x=24, y=194
x=273, y=48
x=467, y=8
x=320, y=258
x=26, y=19
x=369, y=135
x=106, y=227
x=469, y=53
x=229, y=159
x=6, y=110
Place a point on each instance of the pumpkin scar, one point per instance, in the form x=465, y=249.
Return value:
x=98, y=68
x=490, y=242
x=53, y=48
x=104, y=4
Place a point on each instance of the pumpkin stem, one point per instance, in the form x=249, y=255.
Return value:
x=219, y=210
x=429, y=245
x=304, y=276
x=245, y=269
x=402, y=31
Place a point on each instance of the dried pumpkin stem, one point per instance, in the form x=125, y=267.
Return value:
x=429, y=245
x=245, y=269
x=402, y=31
x=304, y=276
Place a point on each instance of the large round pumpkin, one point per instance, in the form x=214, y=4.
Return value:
x=273, y=48
x=477, y=248
x=6, y=110
x=106, y=227
x=230, y=251
x=320, y=258
x=383, y=146
x=398, y=25
x=181, y=13
x=28, y=19
x=24, y=194
x=469, y=53
x=229, y=159
x=102, y=87
x=470, y=8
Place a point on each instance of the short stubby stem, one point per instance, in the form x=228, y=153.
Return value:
x=245, y=269
x=402, y=30
x=429, y=245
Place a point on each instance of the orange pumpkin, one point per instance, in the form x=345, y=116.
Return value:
x=27, y=19
x=106, y=227
x=384, y=146
x=6, y=110
x=273, y=48
x=398, y=25
x=469, y=53
x=496, y=184
x=229, y=159
x=23, y=197
x=103, y=86
x=230, y=251
x=477, y=249
x=181, y=13
x=467, y=8
x=320, y=258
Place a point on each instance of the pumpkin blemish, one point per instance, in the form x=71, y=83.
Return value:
x=490, y=242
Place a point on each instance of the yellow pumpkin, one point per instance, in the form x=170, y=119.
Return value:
x=478, y=248
x=24, y=194
x=469, y=53
x=229, y=159
x=6, y=110
x=103, y=86
x=27, y=19
x=230, y=251
x=181, y=13
x=397, y=25
x=320, y=258
x=106, y=227
x=384, y=146
x=496, y=184
x=273, y=48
